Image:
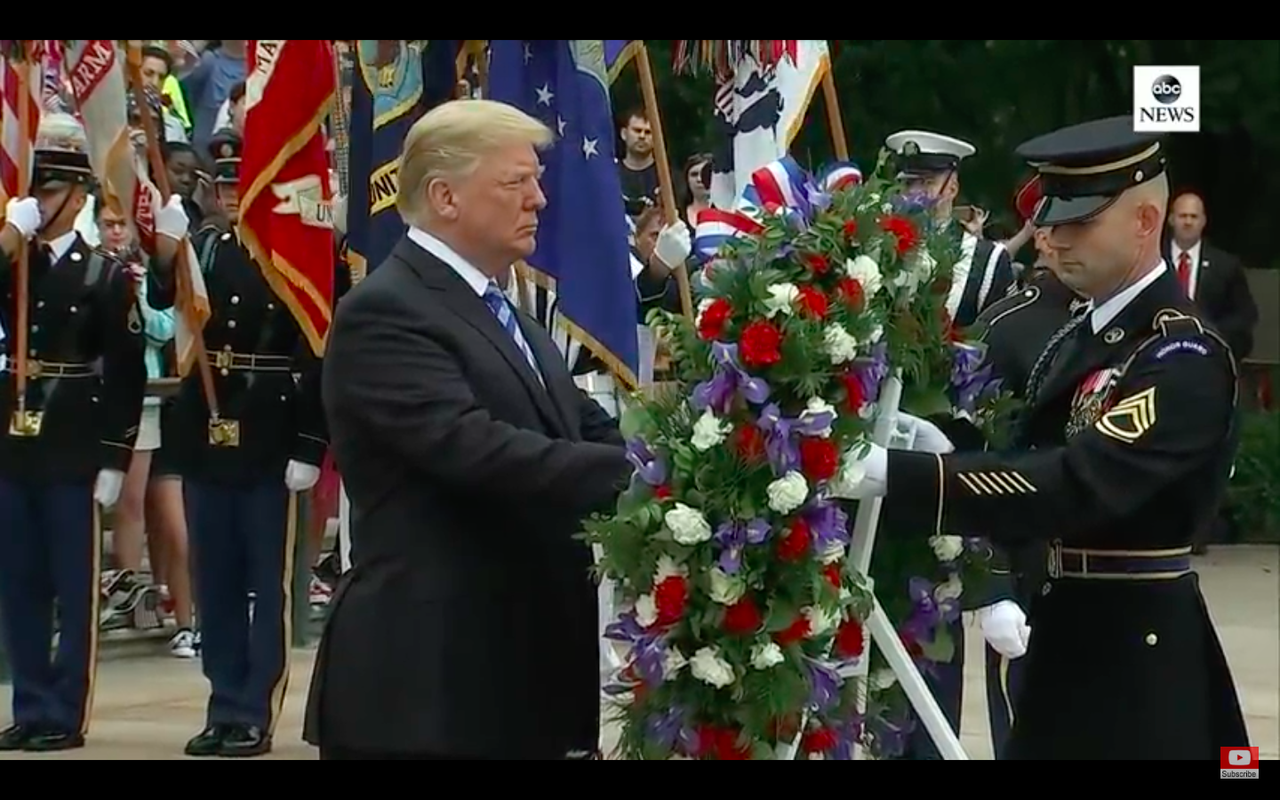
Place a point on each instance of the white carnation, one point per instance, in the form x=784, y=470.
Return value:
x=816, y=408
x=834, y=552
x=866, y=272
x=883, y=679
x=950, y=590
x=646, y=611
x=877, y=333
x=820, y=621
x=668, y=568
x=788, y=493
x=766, y=655
x=947, y=548
x=782, y=298
x=687, y=525
x=840, y=345
x=702, y=309
x=708, y=667
x=709, y=431
x=726, y=589
x=846, y=482
x=672, y=663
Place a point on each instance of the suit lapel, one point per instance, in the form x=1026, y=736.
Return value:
x=471, y=308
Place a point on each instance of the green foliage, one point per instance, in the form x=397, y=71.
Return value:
x=1254, y=491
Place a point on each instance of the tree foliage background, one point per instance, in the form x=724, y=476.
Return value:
x=999, y=93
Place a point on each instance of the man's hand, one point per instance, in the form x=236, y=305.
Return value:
x=24, y=215
x=1004, y=626
x=925, y=436
x=172, y=220
x=300, y=477
x=674, y=245
x=106, y=490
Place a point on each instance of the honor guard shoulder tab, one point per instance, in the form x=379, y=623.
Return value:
x=1171, y=322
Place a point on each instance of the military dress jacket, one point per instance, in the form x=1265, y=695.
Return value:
x=85, y=365
x=1130, y=441
x=266, y=377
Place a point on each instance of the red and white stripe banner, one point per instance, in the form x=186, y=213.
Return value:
x=15, y=143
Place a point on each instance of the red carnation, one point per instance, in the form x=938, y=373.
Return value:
x=849, y=641
x=851, y=292
x=795, y=632
x=817, y=263
x=909, y=642
x=903, y=231
x=851, y=229
x=662, y=492
x=832, y=573
x=721, y=743
x=742, y=618
x=760, y=344
x=818, y=740
x=819, y=459
x=813, y=303
x=854, y=396
x=712, y=322
x=749, y=443
x=670, y=596
x=795, y=545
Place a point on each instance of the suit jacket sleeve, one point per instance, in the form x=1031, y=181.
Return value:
x=1175, y=411
x=597, y=425
x=410, y=394
x=124, y=367
x=1237, y=314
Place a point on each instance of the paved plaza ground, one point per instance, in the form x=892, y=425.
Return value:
x=148, y=705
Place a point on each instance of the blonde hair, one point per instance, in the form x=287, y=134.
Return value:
x=452, y=138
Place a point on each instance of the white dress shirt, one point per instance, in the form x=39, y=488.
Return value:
x=1102, y=315
x=476, y=279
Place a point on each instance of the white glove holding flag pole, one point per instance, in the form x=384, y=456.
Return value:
x=106, y=489
x=1004, y=626
x=674, y=245
x=24, y=215
x=172, y=220
x=925, y=436
x=300, y=477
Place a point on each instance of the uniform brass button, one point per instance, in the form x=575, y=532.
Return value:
x=226, y=349
x=226, y=372
x=35, y=328
x=32, y=353
x=271, y=306
x=231, y=323
x=1048, y=587
x=39, y=304
x=74, y=310
x=1152, y=639
x=76, y=256
x=235, y=299
x=226, y=237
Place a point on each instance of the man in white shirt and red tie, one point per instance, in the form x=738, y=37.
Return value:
x=1213, y=278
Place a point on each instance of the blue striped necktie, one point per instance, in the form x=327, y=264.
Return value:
x=501, y=308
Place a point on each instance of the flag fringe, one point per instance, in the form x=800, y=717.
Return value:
x=720, y=57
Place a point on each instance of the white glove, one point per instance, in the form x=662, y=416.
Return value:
x=106, y=490
x=1004, y=626
x=172, y=220
x=928, y=438
x=300, y=477
x=24, y=215
x=674, y=245
x=903, y=436
x=863, y=479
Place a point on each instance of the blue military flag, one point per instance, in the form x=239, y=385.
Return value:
x=582, y=233
x=618, y=53
x=394, y=82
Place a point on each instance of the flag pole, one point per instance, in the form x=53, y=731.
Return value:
x=834, y=119
x=133, y=66
x=666, y=190
x=18, y=425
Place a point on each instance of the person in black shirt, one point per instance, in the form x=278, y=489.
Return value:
x=636, y=168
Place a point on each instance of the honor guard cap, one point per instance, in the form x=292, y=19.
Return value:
x=225, y=149
x=60, y=154
x=1084, y=168
x=921, y=153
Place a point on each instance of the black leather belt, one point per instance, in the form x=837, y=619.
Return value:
x=249, y=362
x=1134, y=565
x=37, y=369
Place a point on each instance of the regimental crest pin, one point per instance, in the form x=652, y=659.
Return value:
x=1113, y=336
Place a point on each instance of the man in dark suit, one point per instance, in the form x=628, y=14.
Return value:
x=1212, y=277
x=468, y=626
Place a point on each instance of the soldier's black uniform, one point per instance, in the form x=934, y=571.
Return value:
x=1015, y=331
x=241, y=516
x=85, y=382
x=1131, y=433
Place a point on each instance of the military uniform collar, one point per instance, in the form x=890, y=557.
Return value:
x=61, y=245
x=1102, y=315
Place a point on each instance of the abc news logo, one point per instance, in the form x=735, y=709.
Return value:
x=1166, y=99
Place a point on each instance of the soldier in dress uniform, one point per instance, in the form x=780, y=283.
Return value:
x=930, y=164
x=242, y=474
x=1127, y=447
x=65, y=449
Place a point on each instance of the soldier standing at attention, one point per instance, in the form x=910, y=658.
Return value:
x=66, y=451
x=242, y=474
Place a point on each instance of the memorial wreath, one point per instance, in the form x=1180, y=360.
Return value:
x=741, y=616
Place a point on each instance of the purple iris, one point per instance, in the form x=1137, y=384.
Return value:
x=780, y=435
x=970, y=377
x=889, y=736
x=734, y=537
x=729, y=379
x=913, y=202
x=648, y=650
x=649, y=466
x=848, y=735
x=824, y=685
x=927, y=613
x=829, y=525
x=672, y=731
x=871, y=371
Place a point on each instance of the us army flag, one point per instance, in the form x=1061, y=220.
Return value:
x=286, y=206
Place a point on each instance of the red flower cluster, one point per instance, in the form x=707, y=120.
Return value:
x=713, y=321
x=795, y=545
x=819, y=459
x=742, y=618
x=813, y=303
x=854, y=397
x=721, y=743
x=760, y=345
x=817, y=263
x=670, y=597
x=818, y=740
x=795, y=632
x=849, y=641
x=903, y=230
x=851, y=292
x=748, y=441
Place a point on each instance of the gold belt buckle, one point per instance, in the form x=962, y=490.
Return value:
x=224, y=433
x=26, y=424
x=34, y=369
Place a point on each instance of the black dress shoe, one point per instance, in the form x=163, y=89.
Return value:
x=53, y=741
x=15, y=738
x=245, y=741
x=208, y=743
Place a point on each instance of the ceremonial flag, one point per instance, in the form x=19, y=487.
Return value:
x=618, y=53
x=582, y=233
x=394, y=82
x=95, y=68
x=15, y=142
x=286, y=203
x=760, y=110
